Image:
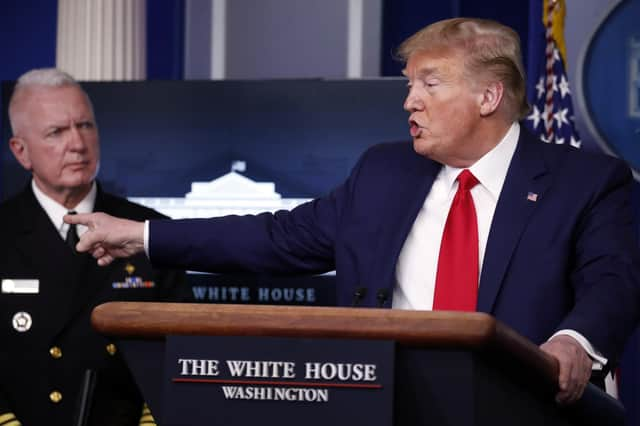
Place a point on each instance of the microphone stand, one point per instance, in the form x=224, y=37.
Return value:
x=86, y=398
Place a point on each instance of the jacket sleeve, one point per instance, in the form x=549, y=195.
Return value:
x=606, y=273
x=285, y=242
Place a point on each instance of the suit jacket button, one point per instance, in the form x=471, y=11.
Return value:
x=55, y=352
x=111, y=349
x=55, y=397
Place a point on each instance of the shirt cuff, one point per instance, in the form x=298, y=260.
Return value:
x=146, y=238
x=598, y=360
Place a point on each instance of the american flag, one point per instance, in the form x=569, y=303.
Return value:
x=548, y=89
x=551, y=117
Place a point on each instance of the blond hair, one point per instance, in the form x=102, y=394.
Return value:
x=489, y=48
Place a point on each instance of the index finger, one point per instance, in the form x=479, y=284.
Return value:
x=79, y=219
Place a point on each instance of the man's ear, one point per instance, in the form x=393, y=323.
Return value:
x=491, y=98
x=20, y=151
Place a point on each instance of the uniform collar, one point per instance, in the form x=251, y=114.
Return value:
x=56, y=211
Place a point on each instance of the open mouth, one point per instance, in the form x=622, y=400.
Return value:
x=414, y=128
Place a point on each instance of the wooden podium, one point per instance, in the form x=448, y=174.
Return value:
x=450, y=368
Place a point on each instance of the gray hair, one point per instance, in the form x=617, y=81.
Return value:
x=40, y=77
x=50, y=77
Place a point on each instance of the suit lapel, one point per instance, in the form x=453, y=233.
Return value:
x=405, y=199
x=527, y=174
x=39, y=241
x=36, y=232
x=45, y=255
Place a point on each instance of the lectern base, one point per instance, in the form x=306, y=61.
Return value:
x=457, y=388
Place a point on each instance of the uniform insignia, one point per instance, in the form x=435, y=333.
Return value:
x=133, y=282
x=20, y=286
x=21, y=321
x=130, y=268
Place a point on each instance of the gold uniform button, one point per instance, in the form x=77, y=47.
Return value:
x=111, y=349
x=55, y=352
x=55, y=397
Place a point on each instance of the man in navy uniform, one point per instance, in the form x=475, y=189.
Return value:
x=475, y=214
x=48, y=289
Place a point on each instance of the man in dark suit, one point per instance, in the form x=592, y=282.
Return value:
x=51, y=361
x=476, y=215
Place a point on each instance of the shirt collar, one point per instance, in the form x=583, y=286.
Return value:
x=491, y=168
x=56, y=211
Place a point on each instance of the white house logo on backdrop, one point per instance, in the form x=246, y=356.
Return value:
x=231, y=193
x=609, y=76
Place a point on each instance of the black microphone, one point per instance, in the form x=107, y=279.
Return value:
x=382, y=295
x=358, y=295
x=86, y=397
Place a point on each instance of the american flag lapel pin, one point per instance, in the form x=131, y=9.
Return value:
x=532, y=196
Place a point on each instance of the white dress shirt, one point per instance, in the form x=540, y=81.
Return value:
x=56, y=211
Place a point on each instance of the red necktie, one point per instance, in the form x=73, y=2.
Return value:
x=457, y=276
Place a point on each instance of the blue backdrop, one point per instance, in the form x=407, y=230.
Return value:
x=157, y=137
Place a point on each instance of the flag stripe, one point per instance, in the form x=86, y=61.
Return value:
x=552, y=109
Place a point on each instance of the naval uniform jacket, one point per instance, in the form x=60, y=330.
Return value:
x=42, y=368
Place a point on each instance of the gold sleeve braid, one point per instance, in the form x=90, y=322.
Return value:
x=9, y=419
x=145, y=420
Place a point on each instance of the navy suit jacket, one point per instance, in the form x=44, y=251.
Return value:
x=566, y=260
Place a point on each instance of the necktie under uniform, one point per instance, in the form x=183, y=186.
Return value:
x=456, y=286
x=72, y=235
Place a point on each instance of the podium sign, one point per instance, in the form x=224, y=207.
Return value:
x=233, y=380
x=453, y=368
